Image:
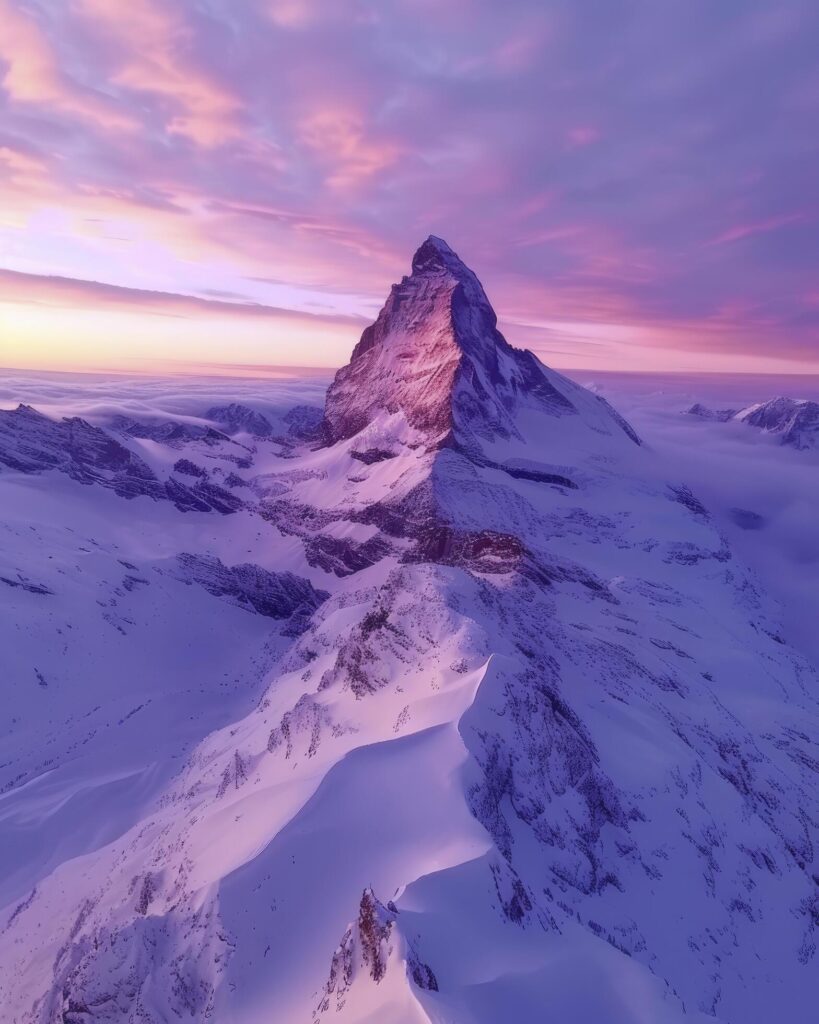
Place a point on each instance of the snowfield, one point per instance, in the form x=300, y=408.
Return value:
x=454, y=702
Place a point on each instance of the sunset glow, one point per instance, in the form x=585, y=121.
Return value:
x=240, y=183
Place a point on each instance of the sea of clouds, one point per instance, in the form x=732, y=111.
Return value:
x=98, y=397
x=734, y=469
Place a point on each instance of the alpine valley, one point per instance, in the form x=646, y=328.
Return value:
x=446, y=703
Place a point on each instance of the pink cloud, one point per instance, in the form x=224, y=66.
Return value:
x=293, y=14
x=761, y=227
x=34, y=75
x=339, y=138
x=71, y=293
x=592, y=170
x=156, y=44
x=582, y=135
x=20, y=168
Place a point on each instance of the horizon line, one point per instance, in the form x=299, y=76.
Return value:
x=262, y=370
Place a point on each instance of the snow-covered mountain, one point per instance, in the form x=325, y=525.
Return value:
x=238, y=418
x=435, y=358
x=793, y=422
x=467, y=713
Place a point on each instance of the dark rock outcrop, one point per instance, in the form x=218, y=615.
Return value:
x=188, y=468
x=704, y=413
x=365, y=951
x=794, y=422
x=341, y=556
x=240, y=419
x=278, y=595
x=304, y=422
x=31, y=442
x=372, y=455
x=173, y=433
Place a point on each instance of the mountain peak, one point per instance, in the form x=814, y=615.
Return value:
x=435, y=364
x=794, y=421
x=437, y=265
x=435, y=254
x=408, y=360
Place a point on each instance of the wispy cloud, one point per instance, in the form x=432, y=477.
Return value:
x=71, y=293
x=614, y=165
x=761, y=227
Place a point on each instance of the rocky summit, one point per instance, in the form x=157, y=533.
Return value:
x=468, y=713
x=435, y=362
x=788, y=421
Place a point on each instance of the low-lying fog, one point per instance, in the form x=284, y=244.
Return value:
x=764, y=495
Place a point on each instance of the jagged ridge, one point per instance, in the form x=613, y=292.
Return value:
x=436, y=356
x=794, y=422
x=543, y=709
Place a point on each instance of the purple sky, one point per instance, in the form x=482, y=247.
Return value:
x=636, y=183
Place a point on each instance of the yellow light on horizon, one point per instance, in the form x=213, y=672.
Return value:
x=51, y=337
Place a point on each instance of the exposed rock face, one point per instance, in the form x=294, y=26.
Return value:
x=237, y=418
x=436, y=356
x=542, y=691
x=366, y=951
x=794, y=422
x=173, y=433
x=188, y=468
x=275, y=594
x=343, y=557
x=408, y=359
x=372, y=455
x=704, y=413
x=486, y=552
x=33, y=443
x=304, y=422
x=110, y=980
x=202, y=497
x=747, y=519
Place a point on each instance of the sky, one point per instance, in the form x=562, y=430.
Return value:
x=236, y=183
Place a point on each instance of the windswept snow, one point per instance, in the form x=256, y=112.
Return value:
x=468, y=711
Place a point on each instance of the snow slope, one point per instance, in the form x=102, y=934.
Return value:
x=793, y=422
x=500, y=728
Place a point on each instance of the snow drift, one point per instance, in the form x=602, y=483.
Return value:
x=468, y=712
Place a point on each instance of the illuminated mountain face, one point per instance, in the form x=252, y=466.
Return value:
x=467, y=710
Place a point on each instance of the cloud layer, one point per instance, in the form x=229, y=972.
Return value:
x=763, y=495
x=635, y=183
x=729, y=466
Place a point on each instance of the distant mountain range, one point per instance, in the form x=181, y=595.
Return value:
x=791, y=421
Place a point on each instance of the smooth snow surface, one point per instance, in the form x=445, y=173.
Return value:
x=462, y=704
